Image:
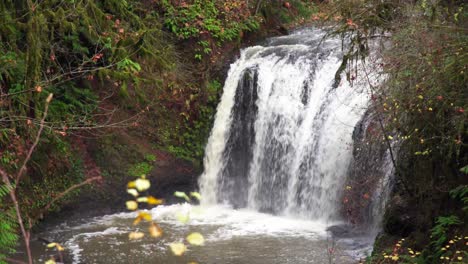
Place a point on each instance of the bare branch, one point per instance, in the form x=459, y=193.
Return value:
x=14, y=261
x=36, y=141
x=97, y=178
x=24, y=232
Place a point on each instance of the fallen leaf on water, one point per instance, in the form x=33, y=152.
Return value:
x=155, y=230
x=59, y=247
x=196, y=239
x=135, y=235
x=178, y=249
x=142, y=215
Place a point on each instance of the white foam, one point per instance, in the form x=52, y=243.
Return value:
x=73, y=245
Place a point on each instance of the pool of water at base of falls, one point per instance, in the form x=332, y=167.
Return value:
x=231, y=236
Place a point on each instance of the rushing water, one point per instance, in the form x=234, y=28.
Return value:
x=282, y=138
x=275, y=165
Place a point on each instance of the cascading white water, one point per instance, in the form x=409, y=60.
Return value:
x=282, y=137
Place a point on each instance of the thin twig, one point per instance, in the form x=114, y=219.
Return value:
x=36, y=141
x=62, y=194
x=26, y=234
x=10, y=260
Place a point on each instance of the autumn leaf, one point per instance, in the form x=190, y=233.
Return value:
x=178, y=249
x=196, y=239
x=131, y=205
x=142, y=184
x=154, y=201
x=135, y=235
x=131, y=184
x=56, y=245
x=51, y=245
x=133, y=192
x=196, y=195
x=182, y=195
x=142, y=216
x=142, y=199
x=155, y=230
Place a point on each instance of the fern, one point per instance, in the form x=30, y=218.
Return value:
x=439, y=231
x=8, y=227
x=461, y=193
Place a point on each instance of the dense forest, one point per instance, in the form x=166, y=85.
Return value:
x=96, y=93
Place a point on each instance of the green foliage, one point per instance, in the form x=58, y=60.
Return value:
x=464, y=169
x=142, y=168
x=8, y=226
x=73, y=105
x=57, y=46
x=39, y=189
x=83, y=52
x=210, y=22
x=222, y=20
x=442, y=225
x=461, y=193
x=299, y=11
x=424, y=98
x=195, y=132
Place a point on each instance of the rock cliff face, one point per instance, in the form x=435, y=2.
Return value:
x=400, y=198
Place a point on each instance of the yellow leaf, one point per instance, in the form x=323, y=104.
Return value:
x=135, y=235
x=196, y=195
x=133, y=192
x=178, y=249
x=155, y=230
x=136, y=221
x=145, y=216
x=59, y=248
x=196, y=239
x=50, y=261
x=142, y=215
x=51, y=245
x=142, y=184
x=131, y=184
x=142, y=199
x=155, y=201
x=131, y=205
x=182, y=195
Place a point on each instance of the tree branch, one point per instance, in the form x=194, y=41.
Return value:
x=97, y=178
x=36, y=141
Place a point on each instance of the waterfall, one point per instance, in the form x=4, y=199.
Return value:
x=282, y=137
